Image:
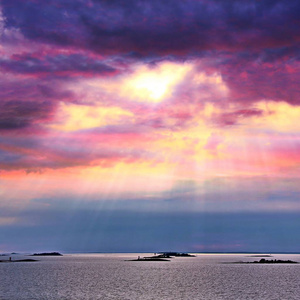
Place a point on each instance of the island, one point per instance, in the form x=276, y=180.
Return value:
x=149, y=259
x=17, y=260
x=176, y=254
x=273, y=261
x=162, y=256
x=47, y=254
x=265, y=261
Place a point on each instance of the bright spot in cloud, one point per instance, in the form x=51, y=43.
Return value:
x=155, y=84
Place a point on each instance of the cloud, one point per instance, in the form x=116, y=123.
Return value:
x=244, y=43
x=28, y=103
x=156, y=27
x=235, y=117
x=19, y=115
x=59, y=65
x=252, y=79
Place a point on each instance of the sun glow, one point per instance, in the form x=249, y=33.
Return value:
x=155, y=84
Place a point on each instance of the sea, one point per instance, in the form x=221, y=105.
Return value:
x=114, y=276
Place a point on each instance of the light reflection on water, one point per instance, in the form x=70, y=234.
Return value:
x=110, y=276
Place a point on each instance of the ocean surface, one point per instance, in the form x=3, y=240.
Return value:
x=110, y=276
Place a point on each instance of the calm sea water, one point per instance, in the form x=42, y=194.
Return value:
x=109, y=276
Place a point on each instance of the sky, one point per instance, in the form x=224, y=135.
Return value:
x=145, y=126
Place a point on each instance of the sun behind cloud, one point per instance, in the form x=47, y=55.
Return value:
x=154, y=84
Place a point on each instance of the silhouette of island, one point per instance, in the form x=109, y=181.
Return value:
x=18, y=260
x=266, y=261
x=158, y=256
x=176, y=254
x=47, y=254
x=162, y=256
x=149, y=259
x=274, y=261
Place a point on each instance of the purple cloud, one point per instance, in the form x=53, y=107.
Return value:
x=235, y=117
x=156, y=27
x=254, y=45
x=26, y=102
x=18, y=115
x=59, y=65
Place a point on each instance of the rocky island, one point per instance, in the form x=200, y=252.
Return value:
x=273, y=261
x=162, y=256
x=266, y=261
x=177, y=254
x=17, y=260
x=149, y=259
x=47, y=254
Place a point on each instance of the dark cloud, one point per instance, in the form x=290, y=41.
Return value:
x=59, y=65
x=257, y=79
x=32, y=90
x=21, y=114
x=24, y=103
x=236, y=117
x=156, y=27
